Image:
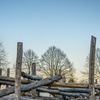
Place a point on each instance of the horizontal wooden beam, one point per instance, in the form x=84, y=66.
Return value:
x=29, y=76
x=77, y=85
x=11, y=79
x=74, y=90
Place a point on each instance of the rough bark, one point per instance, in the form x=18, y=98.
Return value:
x=18, y=70
x=92, y=67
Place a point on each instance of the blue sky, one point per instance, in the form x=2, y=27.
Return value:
x=67, y=24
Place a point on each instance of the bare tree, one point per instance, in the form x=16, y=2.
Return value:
x=29, y=57
x=3, y=56
x=85, y=73
x=54, y=61
x=97, y=66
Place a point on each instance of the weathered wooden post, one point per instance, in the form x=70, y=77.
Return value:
x=18, y=70
x=34, y=92
x=33, y=68
x=8, y=74
x=91, y=67
x=0, y=71
x=0, y=74
x=60, y=74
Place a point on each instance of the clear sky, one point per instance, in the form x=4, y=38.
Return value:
x=67, y=24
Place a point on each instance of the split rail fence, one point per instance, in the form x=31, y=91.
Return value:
x=34, y=84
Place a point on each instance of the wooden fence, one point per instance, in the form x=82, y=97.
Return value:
x=62, y=91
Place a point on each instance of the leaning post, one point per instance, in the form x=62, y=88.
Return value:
x=18, y=70
x=91, y=67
